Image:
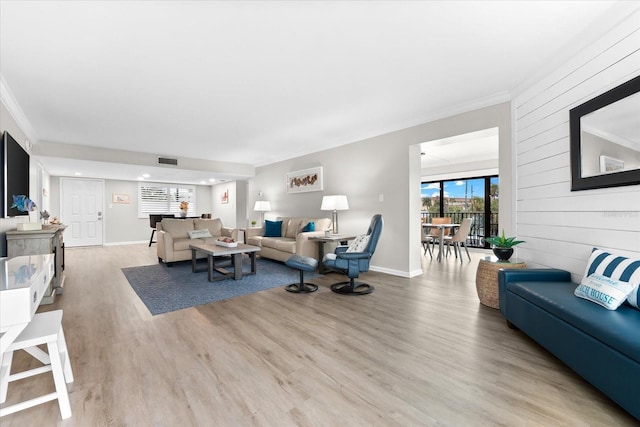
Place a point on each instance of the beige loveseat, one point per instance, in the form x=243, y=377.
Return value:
x=293, y=240
x=174, y=240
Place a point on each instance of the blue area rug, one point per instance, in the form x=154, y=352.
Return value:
x=164, y=289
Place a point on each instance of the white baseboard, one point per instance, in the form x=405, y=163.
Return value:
x=396, y=272
x=125, y=243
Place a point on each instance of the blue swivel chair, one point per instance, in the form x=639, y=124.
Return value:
x=354, y=263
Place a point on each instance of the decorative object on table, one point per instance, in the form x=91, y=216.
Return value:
x=24, y=204
x=261, y=206
x=184, y=207
x=503, y=246
x=253, y=223
x=335, y=203
x=305, y=180
x=45, y=216
x=227, y=242
x=54, y=221
x=355, y=260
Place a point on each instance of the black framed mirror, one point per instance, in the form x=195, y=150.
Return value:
x=605, y=139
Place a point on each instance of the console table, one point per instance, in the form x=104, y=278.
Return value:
x=49, y=240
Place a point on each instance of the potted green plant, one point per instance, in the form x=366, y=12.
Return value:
x=253, y=223
x=503, y=246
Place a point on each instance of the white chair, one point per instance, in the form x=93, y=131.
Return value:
x=44, y=328
x=427, y=242
x=460, y=238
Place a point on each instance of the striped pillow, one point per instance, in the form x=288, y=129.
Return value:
x=617, y=267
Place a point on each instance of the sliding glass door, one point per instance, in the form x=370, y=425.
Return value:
x=476, y=198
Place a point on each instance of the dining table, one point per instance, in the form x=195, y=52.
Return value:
x=442, y=228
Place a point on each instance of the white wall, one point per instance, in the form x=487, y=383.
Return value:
x=234, y=212
x=560, y=226
x=121, y=222
x=387, y=165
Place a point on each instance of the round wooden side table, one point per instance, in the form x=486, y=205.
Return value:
x=487, y=278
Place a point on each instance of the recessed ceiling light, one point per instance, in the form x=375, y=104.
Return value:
x=203, y=182
x=212, y=180
x=78, y=173
x=140, y=178
x=145, y=175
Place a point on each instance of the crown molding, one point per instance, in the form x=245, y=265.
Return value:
x=9, y=101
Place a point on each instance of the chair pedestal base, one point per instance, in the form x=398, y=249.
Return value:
x=301, y=288
x=352, y=288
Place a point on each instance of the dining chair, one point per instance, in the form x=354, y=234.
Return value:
x=434, y=232
x=460, y=238
x=427, y=241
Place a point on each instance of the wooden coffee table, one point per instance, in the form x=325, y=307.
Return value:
x=215, y=251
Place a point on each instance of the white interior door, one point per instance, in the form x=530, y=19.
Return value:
x=81, y=210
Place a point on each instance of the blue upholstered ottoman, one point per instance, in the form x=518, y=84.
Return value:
x=302, y=264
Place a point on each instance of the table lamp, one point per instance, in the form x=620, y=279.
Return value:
x=262, y=206
x=335, y=203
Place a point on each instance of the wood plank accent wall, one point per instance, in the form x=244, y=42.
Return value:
x=560, y=226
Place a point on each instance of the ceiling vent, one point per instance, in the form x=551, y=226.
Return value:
x=167, y=161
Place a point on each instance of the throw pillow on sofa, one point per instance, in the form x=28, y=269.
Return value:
x=604, y=291
x=617, y=267
x=272, y=228
x=199, y=234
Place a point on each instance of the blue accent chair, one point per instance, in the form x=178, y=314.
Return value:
x=354, y=263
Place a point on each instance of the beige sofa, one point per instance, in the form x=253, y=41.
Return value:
x=293, y=240
x=174, y=240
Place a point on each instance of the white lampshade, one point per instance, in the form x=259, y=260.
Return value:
x=335, y=203
x=262, y=206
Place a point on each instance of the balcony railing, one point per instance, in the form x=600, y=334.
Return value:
x=479, y=229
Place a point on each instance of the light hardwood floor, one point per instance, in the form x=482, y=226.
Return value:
x=416, y=352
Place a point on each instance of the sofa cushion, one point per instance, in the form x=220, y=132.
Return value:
x=178, y=228
x=282, y=244
x=604, y=291
x=616, y=328
x=272, y=228
x=292, y=227
x=617, y=267
x=183, y=244
x=213, y=225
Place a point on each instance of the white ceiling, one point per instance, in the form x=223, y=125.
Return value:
x=469, y=148
x=259, y=82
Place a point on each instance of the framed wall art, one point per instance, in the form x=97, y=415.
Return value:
x=120, y=198
x=610, y=164
x=306, y=180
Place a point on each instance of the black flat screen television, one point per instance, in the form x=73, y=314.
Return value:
x=15, y=176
